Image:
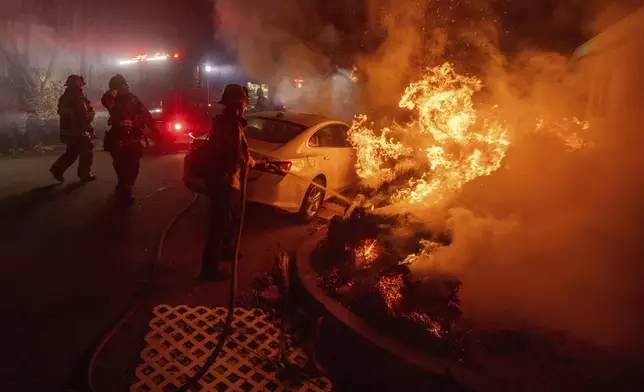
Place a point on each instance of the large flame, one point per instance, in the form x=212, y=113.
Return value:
x=373, y=151
x=447, y=132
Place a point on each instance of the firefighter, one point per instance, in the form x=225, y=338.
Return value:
x=109, y=98
x=76, y=131
x=128, y=118
x=262, y=101
x=228, y=153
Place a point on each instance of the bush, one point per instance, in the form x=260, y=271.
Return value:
x=42, y=106
x=44, y=103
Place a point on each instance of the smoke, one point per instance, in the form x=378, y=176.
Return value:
x=389, y=69
x=276, y=44
x=553, y=238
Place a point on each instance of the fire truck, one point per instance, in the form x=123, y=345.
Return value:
x=173, y=91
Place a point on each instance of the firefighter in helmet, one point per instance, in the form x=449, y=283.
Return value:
x=109, y=98
x=76, y=131
x=128, y=118
x=262, y=101
x=228, y=155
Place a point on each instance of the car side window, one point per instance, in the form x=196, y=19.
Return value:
x=345, y=135
x=314, y=141
x=331, y=136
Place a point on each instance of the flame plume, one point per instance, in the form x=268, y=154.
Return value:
x=457, y=145
x=373, y=151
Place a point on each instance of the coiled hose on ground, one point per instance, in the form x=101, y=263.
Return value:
x=212, y=358
x=135, y=302
x=131, y=309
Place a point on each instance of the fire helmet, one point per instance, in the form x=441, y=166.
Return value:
x=233, y=93
x=117, y=81
x=75, y=81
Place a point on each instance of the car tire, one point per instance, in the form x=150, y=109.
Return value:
x=313, y=199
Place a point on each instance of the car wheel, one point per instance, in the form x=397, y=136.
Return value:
x=312, y=202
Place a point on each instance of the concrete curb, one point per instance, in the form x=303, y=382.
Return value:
x=395, y=348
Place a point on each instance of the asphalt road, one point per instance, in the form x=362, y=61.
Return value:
x=71, y=261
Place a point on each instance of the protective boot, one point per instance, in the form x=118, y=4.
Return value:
x=58, y=175
x=88, y=178
x=214, y=273
x=124, y=195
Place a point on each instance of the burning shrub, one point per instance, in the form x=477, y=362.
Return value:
x=366, y=260
x=361, y=265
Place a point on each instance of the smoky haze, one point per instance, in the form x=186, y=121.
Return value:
x=276, y=44
x=302, y=39
x=552, y=239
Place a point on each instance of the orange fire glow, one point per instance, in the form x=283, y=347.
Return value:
x=353, y=76
x=447, y=131
x=390, y=288
x=366, y=253
x=427, y=252
x=570, y=131
x=430, y=325
x=373, y=151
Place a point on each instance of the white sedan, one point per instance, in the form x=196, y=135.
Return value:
x=301, y=151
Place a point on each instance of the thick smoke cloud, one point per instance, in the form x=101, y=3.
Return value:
x=275, y=44
x=293, y=40
x=553, y=238
x=270, y=40
x=389, y=68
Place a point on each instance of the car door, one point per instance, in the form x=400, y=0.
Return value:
x=351, y=157
x=334, y=155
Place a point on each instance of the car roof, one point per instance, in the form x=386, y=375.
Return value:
x=306, y=120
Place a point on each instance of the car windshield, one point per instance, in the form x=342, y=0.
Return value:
x=272, y=131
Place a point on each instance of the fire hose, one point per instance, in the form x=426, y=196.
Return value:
x=193, y=381
x=132, y=307
x=212, y=358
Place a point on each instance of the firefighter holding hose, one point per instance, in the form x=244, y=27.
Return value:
x=228, y=159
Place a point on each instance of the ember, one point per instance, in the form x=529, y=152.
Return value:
x=428, y=248
x=430, y=325
x=390, y=288
x=366, y=253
